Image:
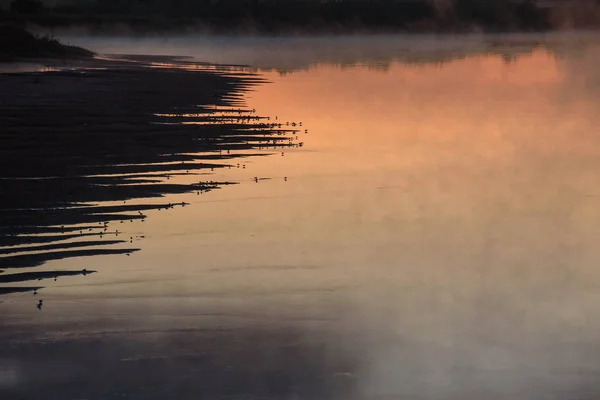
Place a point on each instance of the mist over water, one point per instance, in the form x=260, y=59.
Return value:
x=289, y=53
x=434, y=238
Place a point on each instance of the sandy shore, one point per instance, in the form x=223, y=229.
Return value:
x=113, y=130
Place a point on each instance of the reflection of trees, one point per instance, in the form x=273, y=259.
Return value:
x=509, y=50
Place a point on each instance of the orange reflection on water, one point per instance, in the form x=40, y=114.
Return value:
x=419, y=113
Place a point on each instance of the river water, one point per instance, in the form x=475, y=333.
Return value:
x=435, y=237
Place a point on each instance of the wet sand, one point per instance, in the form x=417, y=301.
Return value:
x=76, y=145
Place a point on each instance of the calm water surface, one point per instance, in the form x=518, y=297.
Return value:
x=434, y=238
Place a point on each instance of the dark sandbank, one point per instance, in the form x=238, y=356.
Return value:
x=22, y=240
x=11, y=290
x=114, y=130
x=36, y=259
x=37, y=276
x=58, y=246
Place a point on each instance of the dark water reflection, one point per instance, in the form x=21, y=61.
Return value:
x=232, y=362
x=435, y=239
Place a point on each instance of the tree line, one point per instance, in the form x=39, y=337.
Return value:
x=281, y=15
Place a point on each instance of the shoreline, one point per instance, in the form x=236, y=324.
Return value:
x=18, y=43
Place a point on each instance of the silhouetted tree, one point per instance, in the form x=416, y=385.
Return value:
x=311, y=15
